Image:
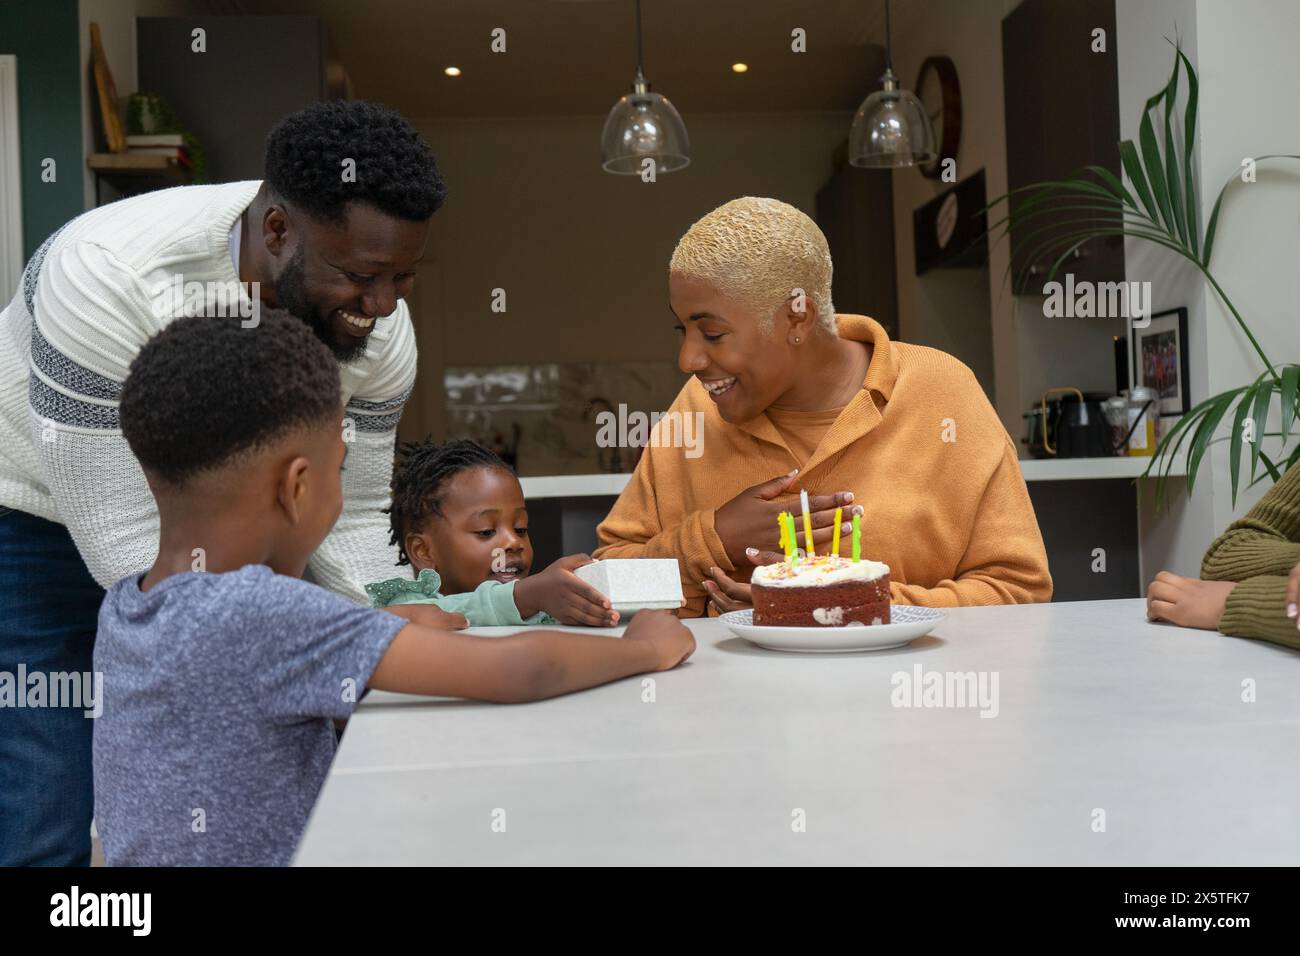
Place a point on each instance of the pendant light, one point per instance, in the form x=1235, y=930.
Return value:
x=643, y=125
x=891, y=127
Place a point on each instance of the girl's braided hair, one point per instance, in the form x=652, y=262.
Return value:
x=421, y=474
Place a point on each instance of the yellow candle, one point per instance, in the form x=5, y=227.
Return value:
x=780, y=523
x=857, y=537
x=807, y=522
x=835, y=537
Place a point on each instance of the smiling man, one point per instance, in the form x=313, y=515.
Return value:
x=332, y=235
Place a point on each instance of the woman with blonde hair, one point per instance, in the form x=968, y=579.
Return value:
x=793, y=396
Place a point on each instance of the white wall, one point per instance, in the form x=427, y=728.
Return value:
x=1247, y=72
x=1249, y=77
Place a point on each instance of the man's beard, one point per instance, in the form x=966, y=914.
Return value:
x=291, y=293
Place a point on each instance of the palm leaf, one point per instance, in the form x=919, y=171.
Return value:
x=1171, y=155
x=1204, y=431
x=1214, y=213
x=1116, y=187
x=1189, y=137
x=1290, y=379
x=1272, y=470
x=1166, y=451
x=1151, y=162
x=1234, y=450
x=1263, y=398
x=1133, y=167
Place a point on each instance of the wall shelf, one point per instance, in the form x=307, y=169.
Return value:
x=132, y=173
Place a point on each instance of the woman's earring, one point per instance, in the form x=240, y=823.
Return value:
x=796, y=340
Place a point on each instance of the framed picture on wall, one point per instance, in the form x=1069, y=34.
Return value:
x=1160, y=360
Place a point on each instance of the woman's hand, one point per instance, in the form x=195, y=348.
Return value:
x=728, y=595
x=749, y=519
x=1189, y=602
x=563, y=595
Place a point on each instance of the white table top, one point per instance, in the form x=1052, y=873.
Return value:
x=1097, y=709
x=1046, y=469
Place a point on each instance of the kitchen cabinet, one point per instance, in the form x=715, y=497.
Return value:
x=251, y=72
x=855, y=211
x=1062, y=113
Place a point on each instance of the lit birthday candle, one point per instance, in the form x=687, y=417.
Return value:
x=835, y=537
x=807, y=522
x=857, y=537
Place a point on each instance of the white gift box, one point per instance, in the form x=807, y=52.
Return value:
x=636, y=584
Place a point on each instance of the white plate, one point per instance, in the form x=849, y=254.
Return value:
x=906, y=624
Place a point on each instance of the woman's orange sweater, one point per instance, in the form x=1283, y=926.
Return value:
x=919, y=446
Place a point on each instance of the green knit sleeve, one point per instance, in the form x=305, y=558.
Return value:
x=1266, y=541
x=1257, y=608
x=424, y=589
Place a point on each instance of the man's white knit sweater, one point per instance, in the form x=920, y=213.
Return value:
x=87, y=302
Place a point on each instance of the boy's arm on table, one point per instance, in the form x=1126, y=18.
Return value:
x=632, y=530
x=95, y=315
x=357, y=549
x=1005, y=561
x=527, y=666
x=1264, y=542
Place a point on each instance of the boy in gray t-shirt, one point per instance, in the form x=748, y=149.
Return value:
x=218, y=694
x=222, y=670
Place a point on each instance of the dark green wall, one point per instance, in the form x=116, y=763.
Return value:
x=43, y=34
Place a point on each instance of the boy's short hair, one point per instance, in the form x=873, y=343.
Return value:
x=206, y=389
x=419, y=477
x=395, y=169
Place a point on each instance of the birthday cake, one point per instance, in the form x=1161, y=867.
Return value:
x=821, y=591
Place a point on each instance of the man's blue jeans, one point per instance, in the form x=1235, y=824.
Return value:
x=49, y=604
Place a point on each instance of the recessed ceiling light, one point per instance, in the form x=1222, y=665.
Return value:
x=452, y=71
x=739, y=67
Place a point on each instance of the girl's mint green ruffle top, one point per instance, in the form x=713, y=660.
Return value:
x=491, y=604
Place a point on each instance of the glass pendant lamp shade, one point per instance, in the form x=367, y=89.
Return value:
x=643, y=125
x=891, y=128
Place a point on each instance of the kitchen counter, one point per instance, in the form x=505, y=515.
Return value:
x=1047, y=469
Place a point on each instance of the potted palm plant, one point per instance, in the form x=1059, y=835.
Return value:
x=1158, y=205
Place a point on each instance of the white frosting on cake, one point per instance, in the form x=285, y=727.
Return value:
x=820, y=571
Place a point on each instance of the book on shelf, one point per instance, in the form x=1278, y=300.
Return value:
x=155, y=139
x=177, y=153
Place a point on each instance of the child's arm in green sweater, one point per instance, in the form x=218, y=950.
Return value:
x=1258, y=552
x=491, y=604
x=553, y=596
